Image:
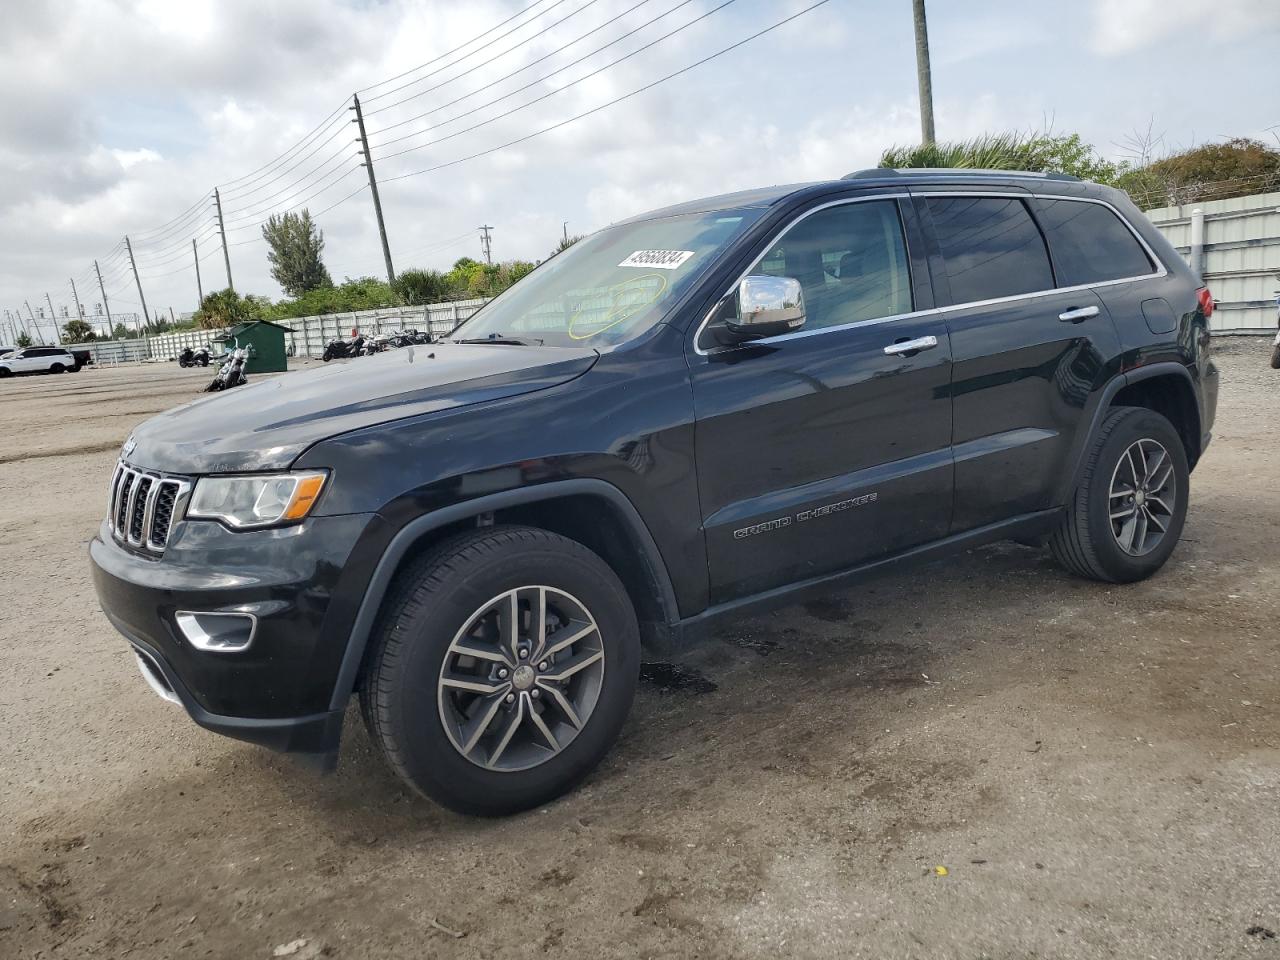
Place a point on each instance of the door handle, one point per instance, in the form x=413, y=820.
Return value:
x=1076, y=314
x=911, y=346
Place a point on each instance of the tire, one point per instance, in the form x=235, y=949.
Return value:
x=56, y=368
x=5, y=372
x=1089, y=543
x=405, y=701
x=1275, y=357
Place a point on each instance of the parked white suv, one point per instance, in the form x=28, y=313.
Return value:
x=37, y=360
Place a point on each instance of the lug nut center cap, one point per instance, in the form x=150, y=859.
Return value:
x=1140, y=498
x=522, y=678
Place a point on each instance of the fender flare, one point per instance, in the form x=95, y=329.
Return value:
x=413, y=531
x=1105, y=396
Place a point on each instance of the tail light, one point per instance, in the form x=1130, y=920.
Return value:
x=1206, y=301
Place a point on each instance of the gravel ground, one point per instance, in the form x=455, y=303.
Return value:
x=1095, y=767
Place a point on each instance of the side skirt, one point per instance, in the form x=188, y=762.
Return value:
x=1027, y=525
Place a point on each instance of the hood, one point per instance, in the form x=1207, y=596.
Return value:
x=268, y=424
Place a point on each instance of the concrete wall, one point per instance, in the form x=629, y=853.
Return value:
x=1241, y=257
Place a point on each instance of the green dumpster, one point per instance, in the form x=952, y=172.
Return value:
x=265, y=342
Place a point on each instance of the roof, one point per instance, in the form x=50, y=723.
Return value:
x=239, y=328
x=887, y=176
x=897, y=174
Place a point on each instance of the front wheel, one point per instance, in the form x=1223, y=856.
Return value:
x=503, y=667
x=1275, y=354
x=1125, y=516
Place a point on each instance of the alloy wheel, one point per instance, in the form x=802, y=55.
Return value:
x=521, y=678
x=1143, y=497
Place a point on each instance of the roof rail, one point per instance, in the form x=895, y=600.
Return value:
x=878, y=173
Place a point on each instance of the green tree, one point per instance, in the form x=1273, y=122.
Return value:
x=415, y=287
x=296, y=247
x=78, y=331
x=119, y=332
x=225, y=308
x=24, y=340
x=1214, y=171
x=567, y=242
x=1036, y=152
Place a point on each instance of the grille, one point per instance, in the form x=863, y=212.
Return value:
x=143, y=505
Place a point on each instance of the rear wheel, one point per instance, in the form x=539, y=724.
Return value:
x=56, y=368
x=503, y=668
x=1275, y=355
x=1125, y=516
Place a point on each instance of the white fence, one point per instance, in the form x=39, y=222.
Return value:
x=307, y=336
x=1241, y=257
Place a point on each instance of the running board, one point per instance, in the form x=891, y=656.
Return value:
x=1024, y=526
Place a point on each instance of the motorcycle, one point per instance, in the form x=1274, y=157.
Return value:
x=378, y=344
x=339, y=349
x=1275, y=344
x=231, y=373
x=192, y=358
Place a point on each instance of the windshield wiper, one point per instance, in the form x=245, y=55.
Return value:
x=502, y=341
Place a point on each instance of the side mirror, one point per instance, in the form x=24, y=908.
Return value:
x=767, y=306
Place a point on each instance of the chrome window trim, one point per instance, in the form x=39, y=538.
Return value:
x=1161, y=271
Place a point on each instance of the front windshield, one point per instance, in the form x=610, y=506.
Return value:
x=610, y=286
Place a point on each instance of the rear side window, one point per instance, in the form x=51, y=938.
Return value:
x=1090, y=244
x=991, y=246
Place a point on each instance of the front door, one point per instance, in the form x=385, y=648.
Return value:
x=829, y=446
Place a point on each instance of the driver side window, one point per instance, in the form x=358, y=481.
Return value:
x=851, y=261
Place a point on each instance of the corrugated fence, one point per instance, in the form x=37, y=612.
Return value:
x=307, y=336
x=1241, y=262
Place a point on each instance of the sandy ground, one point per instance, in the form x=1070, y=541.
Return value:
x=1097, y=768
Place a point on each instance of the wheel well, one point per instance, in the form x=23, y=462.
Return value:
x=1170, y=396
x=599, y=526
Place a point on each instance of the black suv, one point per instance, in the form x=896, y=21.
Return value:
x=699, y=412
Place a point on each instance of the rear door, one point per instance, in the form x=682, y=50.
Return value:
x=1026, y=355
x=829, y=446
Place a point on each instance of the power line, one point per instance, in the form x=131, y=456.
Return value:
x=560, y=49
x=543, y=79
x=305, y=182
x=483, y=63
x=613, y=102
x=449, y=53
x=304, y=201
x=243, y=192
x=325, y=124
x=549, y=93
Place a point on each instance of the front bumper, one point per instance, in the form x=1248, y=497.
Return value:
x=279, y=692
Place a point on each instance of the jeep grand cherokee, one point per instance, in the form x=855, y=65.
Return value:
x=699, y=412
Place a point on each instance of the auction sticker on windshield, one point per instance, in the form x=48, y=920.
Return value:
x=657, y=259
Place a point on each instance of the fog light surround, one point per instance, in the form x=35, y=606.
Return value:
x=217, y=632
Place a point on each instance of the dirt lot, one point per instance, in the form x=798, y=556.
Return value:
x=1096, y=768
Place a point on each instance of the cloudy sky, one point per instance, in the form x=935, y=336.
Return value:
x=123, y=115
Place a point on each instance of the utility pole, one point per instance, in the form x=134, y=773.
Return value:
x=566, y=231
x=226, y=257
x=373, y=187
x=103, y=290
x=923, y=73
x=76, y=296
x=57, y=337
x=34, y=330
x=136, y=279
x=484, y=239
x=199, y=288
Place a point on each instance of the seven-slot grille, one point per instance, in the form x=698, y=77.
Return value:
x=143, y=506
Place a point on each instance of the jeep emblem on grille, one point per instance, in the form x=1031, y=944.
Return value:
x=128, y=446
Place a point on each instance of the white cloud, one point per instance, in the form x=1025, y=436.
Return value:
x=1124, y=26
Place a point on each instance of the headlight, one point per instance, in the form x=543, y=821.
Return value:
x=260, y=500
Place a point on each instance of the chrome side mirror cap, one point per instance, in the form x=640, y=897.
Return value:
x=767, y=306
